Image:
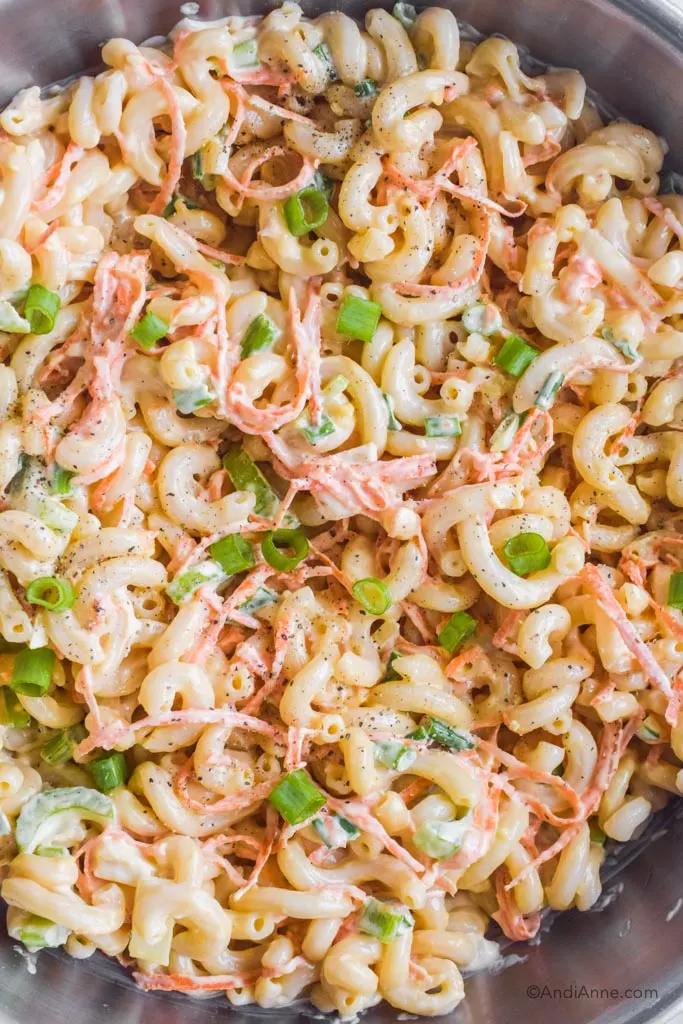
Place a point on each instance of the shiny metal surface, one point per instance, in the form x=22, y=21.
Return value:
x=631, y=52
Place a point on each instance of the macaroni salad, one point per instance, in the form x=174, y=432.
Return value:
x=341, y=457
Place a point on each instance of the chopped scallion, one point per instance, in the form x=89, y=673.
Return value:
x=459, y=627
x=368, y=87
x=482, y=317
x=188, y=400
x=393, y=423
x=395, y=755
x=385, y=921
x=597, y=835
x=503, y=436
x=627, y=350
x=675, y=598
x=323, y=183
x=109, y=772
x=516, y=355
x=273, y=543
x=12, y=712
x=373, y=594
x=546, y=396
x=245, y=55
x=315, y=434
x=51, y=592
x=60, y=481
x=435, y=731
x=405, y=14
x=441, y=839
x=32, y=672
x=296, y=798
x=246, y=476
x=442, y=426
x=323, y=53
x=261, y=333
x=185, y=584
x=262, y=598
x=358, y=318
x=390, y=673
x=526, y=553
x=306, y=211
x=40, y=308
x=233, y=553
x=149, y=329
x=59, y=748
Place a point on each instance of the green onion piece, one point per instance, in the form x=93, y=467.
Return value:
x=296, y=798
x=39, y=933
x=324, y=184
x=60, y=482
x=373, y=595
x=10, y=321
x=51, y=592
x=246, y=476
x=39, y=809
x=527, y=552
x=149, y=329
x=546, y=396
x=390, y=673
x=647, y=731
x=245, y=55
x=459, y=627
x=52, y=851
x=233, y=553
x=55, y=515
x=482, y=317
x=58, y=749
x=627, y=350
x=306, y=211
x=358, y=318
x=184, y=585
x=503, y=436
x=395, y=755
x=351, y=830
x=406, y=14
x=597, y=835
x=442, y=426
x=322, y=52
x=12, y=711
x=368, y=87
x=273, y=542
x=260, y=334
x=323, y=832
x=393, y=423
x=32, y=672
x=41, y=308
x=109, y=772
x=261, y=599
x=515, y=355
x=436, y=731
x=314, y=434
x=190, y=399
x=675, y=598
x=385, y=921
x=336, y=386
x=441, y=839
x=197, y=165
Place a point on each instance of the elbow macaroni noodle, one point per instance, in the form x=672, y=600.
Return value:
x=374, y=286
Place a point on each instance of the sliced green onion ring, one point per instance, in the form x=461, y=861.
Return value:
x=675, y=598
x=373, y=594
x=516, y=355
x=442, y=426
x=273, y=542
x=261, y=333
x=109, y=772
x=546, y=396
x=51, y=592
x=306, y=211
x=385, y=921
x=526, y=553
x=188, y=400
x=405, y=14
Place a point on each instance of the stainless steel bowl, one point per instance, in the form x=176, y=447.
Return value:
x=622, y=964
